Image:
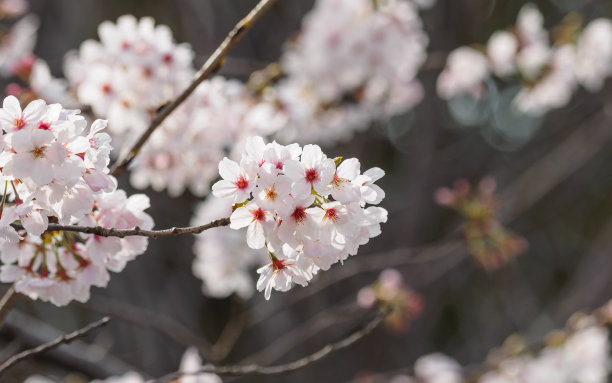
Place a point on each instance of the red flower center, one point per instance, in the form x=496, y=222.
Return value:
x=44, y=126
x=19, y=124
x=311, y=175
x=242, y=183
x=278, y=264
x=168, y=58
x=258, y=214
x=331, y=214
x=299, y=214
x=106, y=88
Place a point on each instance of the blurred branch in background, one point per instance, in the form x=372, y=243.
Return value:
x=287, y=367
x=64, y=339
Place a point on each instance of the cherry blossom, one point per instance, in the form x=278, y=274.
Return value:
x=336, y=82
x=580, y=354
x=548, y=72
x=134, y=68
x=288, y=211
x=59, y=170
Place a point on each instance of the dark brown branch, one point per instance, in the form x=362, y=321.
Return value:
x=214, y=62
x=53, y=344
x=105, y=232
x=288, y=367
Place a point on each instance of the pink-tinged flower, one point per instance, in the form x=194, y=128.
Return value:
x=254, y=149
x=36, y=154
x=238, y=180
x=336, y=224
x=34, y=220
x=314, y=171
x=273, y=190
x=342, y=189
x=12, y=119
x=370, y=193
x=279, y=275
x=258, y=220
x=298, y=225
x=277, y=154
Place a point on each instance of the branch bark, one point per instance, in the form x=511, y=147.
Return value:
x=106, y=232
x=214, y=62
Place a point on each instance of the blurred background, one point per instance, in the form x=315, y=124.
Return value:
x=553, y=189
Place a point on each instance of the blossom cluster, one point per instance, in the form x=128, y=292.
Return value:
x=134, y=68
x=190, y=363
x=581, y=355
x=58, y=171
x=333, y=83
x=307, y=210
x=353, y=62
x=548, y=73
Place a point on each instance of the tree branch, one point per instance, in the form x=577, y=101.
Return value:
x=53, y=344
x=288, y=367
x=106, y=232
x=7, y=302
x=214, y=62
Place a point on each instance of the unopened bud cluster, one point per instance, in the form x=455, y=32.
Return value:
x=488, y=241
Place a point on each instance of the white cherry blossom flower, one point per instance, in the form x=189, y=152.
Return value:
x=238, y=180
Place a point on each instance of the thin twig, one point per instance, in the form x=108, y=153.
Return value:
x=105, y=232
x=53, y=344
x=214, y=62
x=92, y=359
x=298, y=335
x=7, y=302
x=288, y=367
